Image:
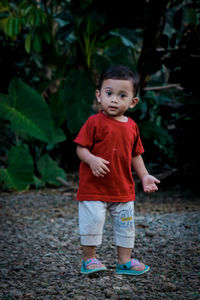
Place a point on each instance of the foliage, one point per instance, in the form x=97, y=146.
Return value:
x=49, y=170
x=19, y=173
x=59, y=48
x=28, y=113
x=77, y=99
x=29, y=118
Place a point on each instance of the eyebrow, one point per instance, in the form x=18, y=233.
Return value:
x=107, y=87
x=121, y=91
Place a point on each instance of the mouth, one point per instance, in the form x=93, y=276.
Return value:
x=113, y=108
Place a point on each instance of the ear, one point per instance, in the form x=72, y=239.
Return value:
x=134, y=102
x=98, y=95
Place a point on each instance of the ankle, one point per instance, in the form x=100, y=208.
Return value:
x=123, y=260
x=89, y=252
x=124, y=255
x=85, y=258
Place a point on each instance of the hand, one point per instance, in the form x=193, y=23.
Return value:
x=98, y=166
x=149, y=183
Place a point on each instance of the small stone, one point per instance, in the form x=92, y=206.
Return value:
x=169, y=287
x=127, y=289
x=15, y=293
x=124, y=290
x=108, y=293
x=163, y=277
x=149, y=233
x=118, y=277
x=78, y=297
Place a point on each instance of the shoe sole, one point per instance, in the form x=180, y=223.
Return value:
x=132, y=272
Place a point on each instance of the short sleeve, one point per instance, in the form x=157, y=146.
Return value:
x=85, y=136
x=137, y=147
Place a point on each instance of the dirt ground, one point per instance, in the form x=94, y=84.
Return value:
x=41, y=257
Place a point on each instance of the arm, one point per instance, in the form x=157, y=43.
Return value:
x=97, y=164
x=148, y=181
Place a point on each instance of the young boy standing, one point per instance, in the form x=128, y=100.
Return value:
x=109, y=145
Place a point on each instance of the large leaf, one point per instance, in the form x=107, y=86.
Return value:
x=28, y=113
x=78, y=96
x=153, y=132
x=49, y=170
x=19, y=173
x=57, y=107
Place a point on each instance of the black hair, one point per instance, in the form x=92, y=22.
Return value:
x=120, y=72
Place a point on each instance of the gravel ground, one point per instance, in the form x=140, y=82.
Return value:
x=40, y=254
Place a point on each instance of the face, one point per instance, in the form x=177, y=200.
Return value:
x=116, y=96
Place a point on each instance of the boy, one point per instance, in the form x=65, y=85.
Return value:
x=108, y=146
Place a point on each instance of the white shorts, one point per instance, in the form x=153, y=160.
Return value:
x=92, y=216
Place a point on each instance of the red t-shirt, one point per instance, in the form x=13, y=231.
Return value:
x=116, y=142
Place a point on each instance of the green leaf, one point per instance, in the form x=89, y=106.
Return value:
x=78, y=96
x=143, y=108
x=124, y=39
x=152, y=131
x=58, y=136
x=100, y=62
x=129, y=38
x=19, y=173
x=91, y=26
x=28, y=43
x=49, y=170
x=6, y=179
x=37, y=43
x=37, y=17
x=38, y=183
x=9, y=27
x=120, y=54
x=16, y=26
x=47, y=36
x=28, y=113
x=190, y=15
x=32, y=18
x=57, y=107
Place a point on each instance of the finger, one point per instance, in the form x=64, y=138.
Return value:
x=106, y=169
x=105, y=161
x=102, y=171
x=95, y=173
x=99, y=173
x=146, y=189
x=150, y=188
x=149, y=191
x=156, y=180
x=154, y=189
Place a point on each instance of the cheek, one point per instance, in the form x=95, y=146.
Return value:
x=124, y=104
x=105, y=99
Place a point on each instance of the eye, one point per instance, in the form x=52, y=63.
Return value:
x=122, y=95
x=108, y=93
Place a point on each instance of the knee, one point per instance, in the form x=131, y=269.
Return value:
x=93, y=225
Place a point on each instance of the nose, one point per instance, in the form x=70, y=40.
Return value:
x=114, y=99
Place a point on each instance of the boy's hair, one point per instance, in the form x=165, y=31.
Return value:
x=120, y=72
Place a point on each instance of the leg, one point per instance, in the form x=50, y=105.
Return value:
x=124, y=256
x=124, y=227
x=91, y=222
x=88, y=252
